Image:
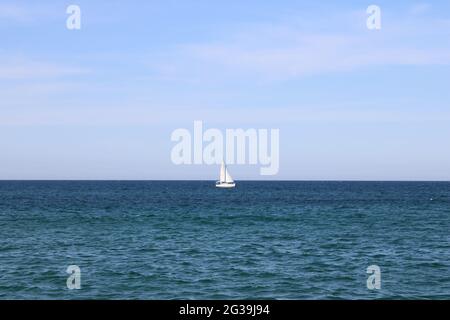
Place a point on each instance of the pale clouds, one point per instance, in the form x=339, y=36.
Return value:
x=19, y=68
x=420, y=8
x=150, y=115
x=315, y=56
x=12, y=11
x=290, y=50
x=34, y=12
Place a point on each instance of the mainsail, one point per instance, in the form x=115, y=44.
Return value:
x=228, y=177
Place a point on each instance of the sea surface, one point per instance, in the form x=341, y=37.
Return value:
x=189, y=240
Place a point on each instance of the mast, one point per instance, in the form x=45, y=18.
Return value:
x=223, y=170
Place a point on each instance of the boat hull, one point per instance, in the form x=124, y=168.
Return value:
x=225, y=185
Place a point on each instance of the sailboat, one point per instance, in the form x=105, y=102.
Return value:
x=225, y=180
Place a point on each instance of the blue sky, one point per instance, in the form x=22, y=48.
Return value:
x=101, y=102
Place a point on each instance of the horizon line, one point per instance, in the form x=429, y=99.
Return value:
x=209, y=180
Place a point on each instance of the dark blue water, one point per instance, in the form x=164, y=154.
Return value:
x=189, y=240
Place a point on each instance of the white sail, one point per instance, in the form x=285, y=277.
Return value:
x=225, y=180
x=228, y=177
x=223, y=170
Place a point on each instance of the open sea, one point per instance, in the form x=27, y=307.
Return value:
x=190, y=240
